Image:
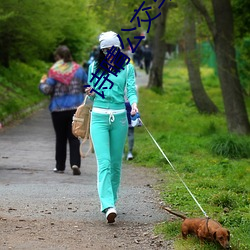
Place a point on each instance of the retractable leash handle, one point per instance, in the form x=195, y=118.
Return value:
x=135, y=120
x=174, y=169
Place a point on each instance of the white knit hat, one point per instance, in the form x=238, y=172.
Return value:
x=109, y=39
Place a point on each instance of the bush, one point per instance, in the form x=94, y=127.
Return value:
x=231, y=146
x=19, y=87
x=224, y=200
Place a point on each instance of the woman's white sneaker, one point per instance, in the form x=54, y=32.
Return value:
x=130, y=156
x=111, y=214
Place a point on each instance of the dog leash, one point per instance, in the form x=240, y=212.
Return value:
x=174, y=170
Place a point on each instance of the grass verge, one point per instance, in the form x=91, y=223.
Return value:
x=19, y=89
x=214, y=165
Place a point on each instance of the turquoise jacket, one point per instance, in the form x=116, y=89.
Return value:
x=124, y=82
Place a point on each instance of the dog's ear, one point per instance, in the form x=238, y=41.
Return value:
x=228, y=237
x=214, y=235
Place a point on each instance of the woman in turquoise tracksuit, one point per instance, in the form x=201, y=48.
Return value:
x=109, y=123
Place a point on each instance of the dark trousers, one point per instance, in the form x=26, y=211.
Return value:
x=130, y=129
x=62, y=122
x=147, y=65
x=130, y=139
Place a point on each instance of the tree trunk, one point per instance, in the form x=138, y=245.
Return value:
x=235, y=109
x=201, y=99
x=159, y=50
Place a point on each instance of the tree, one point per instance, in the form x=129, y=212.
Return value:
x=28, y=33
x=201, y=99
x=159, y=48
x=116, y=15
x=223, y=38
x=23, y=33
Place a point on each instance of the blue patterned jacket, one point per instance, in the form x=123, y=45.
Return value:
x=65, y=97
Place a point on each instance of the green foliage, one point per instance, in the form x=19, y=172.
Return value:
x=210, y=129
x=219, y=183
x=19, y=87
x=243, y=60
x=231, y=146
x=29, y=33
x=242, y=35
x=119, y=15
x=224, y=200
x=241, y=17
x=174, y=26
x=175, y=22
x=170, y=230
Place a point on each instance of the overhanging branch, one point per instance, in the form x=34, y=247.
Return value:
x=202, y=9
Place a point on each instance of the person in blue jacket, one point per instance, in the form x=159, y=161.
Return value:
x=64, y=83
x=109, y=124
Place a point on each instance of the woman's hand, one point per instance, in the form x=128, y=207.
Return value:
x=43, y=79
x=134, y=109
x=88, y=90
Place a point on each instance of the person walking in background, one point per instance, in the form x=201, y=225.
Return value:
x=64, y=84
x=109, y=125
x=130, y=133
x=92, y=57
x=138, y=56
x=130, y=127
x=147, y=54
x=131, y=130
x=93, y=54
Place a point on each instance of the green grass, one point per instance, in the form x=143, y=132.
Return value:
x=214, y=165
x=19, y=87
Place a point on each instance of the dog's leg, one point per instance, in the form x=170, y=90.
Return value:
x=201, y=242
x=184, y=235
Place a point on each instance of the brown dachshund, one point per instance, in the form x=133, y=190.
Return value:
x=204, y=229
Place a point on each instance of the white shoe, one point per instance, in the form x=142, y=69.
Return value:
x=58, y=171
x=111, y=214
x=130, y=156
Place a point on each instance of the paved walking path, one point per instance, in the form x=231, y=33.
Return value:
x=141, y=78
x=31, y=191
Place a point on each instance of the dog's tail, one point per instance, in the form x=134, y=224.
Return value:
x=175, y=213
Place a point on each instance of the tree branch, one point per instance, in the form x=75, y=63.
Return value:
x=202, y=9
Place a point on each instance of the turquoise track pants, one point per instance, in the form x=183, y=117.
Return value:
x=108, y=136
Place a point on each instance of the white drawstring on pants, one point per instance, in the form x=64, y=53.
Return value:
x=111, y=117
x=110, y=112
